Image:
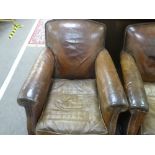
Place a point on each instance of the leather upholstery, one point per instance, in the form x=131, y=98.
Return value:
x=72, y=108
x=133, y=83
x=138, y=66
x=140, y=42
x=111, y=92
x=75, y=45
x=148, y=127
x=34, y=91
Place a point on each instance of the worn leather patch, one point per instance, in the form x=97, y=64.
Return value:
x=72, y=108
x=148, y=127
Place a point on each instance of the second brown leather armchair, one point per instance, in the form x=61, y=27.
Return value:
x=138, y=66
x=73, y=88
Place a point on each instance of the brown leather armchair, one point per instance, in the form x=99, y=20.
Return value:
x=138, y=66
x=73, y=88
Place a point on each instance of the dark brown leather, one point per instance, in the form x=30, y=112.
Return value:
x=72, y=48
x=148, y=127
x=138, y=66
x=140, y=43
x=75, y=45
x=35, y=89
x=135, y=122
x=115, y=36
x=111, y=93
x=72, y=108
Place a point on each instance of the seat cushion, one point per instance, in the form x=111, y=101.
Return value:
x=72, y=108
x=148, y=126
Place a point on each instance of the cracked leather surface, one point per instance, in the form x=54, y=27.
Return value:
x=148, y=127
x=72, y=108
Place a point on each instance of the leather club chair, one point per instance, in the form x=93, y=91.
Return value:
x=138, y=67
x=73, y=88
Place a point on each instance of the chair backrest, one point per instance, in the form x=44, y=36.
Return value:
x=75, y=45
x=140, y=43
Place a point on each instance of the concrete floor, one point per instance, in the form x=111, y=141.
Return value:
x=12, y=116
x=9, y=48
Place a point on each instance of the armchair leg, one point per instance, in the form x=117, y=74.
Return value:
x=136, y=119
x=29, y=127
x=113, y=122
x=30, y=124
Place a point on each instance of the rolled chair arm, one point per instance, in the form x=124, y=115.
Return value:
x=34, y=91
x=39, y=79
x=111, y=93
x=134, y=87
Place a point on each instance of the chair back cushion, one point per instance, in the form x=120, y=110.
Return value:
x=140, y=42
x=75, y=45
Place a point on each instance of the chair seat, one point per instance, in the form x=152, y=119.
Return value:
x=72, y=108
x=148, y=126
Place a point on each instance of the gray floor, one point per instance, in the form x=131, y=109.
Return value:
x=12, y=116
x=9, y=48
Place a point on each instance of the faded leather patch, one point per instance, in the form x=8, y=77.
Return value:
x=72, y=108
x=148, y=127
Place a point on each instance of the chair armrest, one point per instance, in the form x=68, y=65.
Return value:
x=34, y=91
x=37, y=83
x=138, y=104
x=133, y=83
x=111, y=94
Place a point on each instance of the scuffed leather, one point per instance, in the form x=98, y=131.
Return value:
x=140, y=43
x=35, y=89
x=72, y=108
x=110, y=89
x=135, y=121
x=133, y=83
x=138, y=65
x=138, y=104
x=72, y=48
x=39, y=79
x=150, y=89
x=148, y=127
x=75, y=45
